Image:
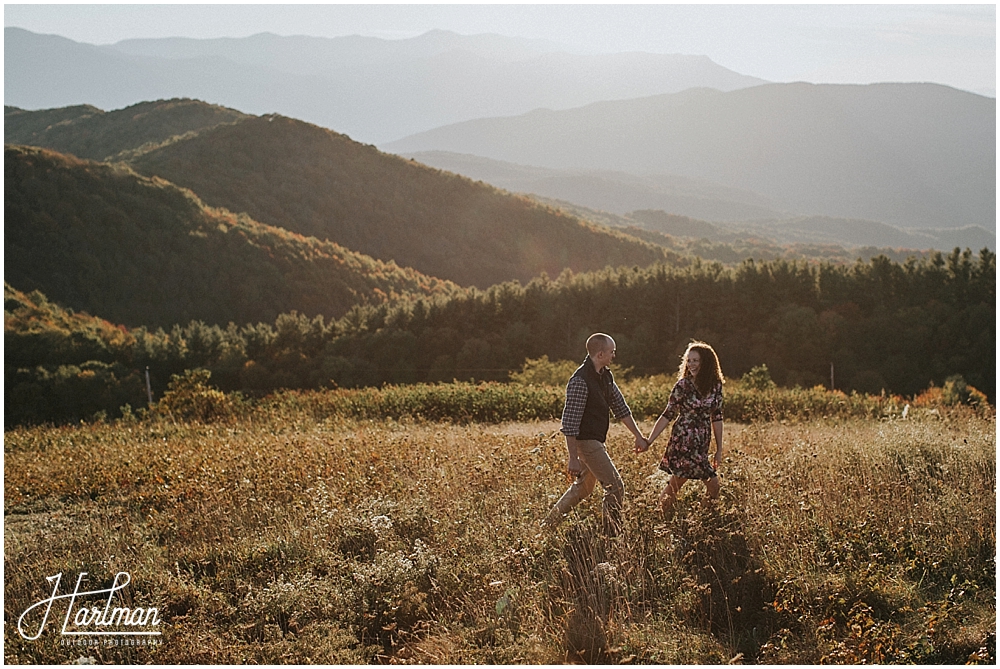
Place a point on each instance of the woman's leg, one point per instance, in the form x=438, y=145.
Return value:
x=712, y=486
x=669, y=494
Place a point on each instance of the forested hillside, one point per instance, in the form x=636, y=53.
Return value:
x=88, y=132
x=142, y=251
x=316, y=182
x=883, y=325
x=312, y=181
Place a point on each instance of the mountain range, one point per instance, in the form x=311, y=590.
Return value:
x=911, y=155
x=616, y=133
x=371, y=89
x=208, y=213
x=341, y=222
x=697, y=209
x=611, y=191
x=634, y=178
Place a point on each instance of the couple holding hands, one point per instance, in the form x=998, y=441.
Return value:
x=695, y=402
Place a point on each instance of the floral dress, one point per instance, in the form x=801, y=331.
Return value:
x=687, y=451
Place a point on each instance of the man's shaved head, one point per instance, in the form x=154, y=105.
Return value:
x=599, y=342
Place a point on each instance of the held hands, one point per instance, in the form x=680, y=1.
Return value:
x=641, y=444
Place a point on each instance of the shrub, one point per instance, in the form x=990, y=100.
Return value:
x=647, y=398
x=957, y=391
x=758, y=378
x=69, y=393
x=493, y=402
x=543, y=372
x=190, y=398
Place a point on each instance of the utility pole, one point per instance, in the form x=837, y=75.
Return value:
x=832, y=387
x=149, y=388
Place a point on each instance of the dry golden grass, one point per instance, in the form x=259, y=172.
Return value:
x=282, y=538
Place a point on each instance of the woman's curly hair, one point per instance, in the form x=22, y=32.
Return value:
x=710, y=372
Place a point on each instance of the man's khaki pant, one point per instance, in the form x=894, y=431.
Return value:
x=597, y=467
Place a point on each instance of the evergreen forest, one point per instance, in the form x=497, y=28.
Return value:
x=874, y=326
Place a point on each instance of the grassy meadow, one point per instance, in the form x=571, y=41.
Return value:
x=355, y=527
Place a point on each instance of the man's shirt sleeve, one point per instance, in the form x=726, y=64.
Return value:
x=618, y=405
x=576, y=402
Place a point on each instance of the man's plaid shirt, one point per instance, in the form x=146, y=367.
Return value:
x=576, y=401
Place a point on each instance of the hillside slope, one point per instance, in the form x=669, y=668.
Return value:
x=88, y=132
x=912, y=155
x=312, y=181
x=142, y=251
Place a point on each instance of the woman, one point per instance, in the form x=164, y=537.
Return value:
x=696, y=403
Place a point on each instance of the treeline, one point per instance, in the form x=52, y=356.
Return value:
x=882, y=325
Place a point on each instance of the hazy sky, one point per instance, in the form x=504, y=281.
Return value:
x=948, y=44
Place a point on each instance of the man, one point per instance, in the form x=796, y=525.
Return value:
x=590, y=393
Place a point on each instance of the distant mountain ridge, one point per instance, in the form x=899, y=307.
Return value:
x=848, y=233
x=614, y=198
x=912, y=155
x=736, y=214
x=315, y=55
x=371, y=89
x=611, y=191
x=800, y=237
x=866, y=233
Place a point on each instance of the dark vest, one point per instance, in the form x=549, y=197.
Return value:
x=596, y=420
